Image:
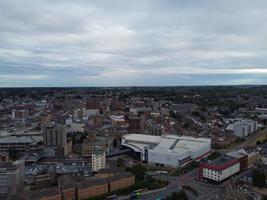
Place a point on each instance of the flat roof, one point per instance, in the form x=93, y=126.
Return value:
x=169, y=142
x=8, y=165
x=91, y=182
x=221, y=160
x=68, y=181
x=21, y=139
x=181, y=146
x=46, y=192
x=110, y=170
x=119, y=176
x=237, y=153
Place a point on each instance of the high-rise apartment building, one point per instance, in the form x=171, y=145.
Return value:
x=98, y=158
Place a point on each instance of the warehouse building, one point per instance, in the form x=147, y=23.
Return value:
x=170, y=150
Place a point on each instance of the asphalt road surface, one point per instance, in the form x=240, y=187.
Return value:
x=174, y=186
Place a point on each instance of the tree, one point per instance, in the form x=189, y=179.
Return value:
x=138, y=170
x=182, y=195
x=258, y=178
x=120, y=163
x=13, y=154
x=175, y=196
x=172, y=114
x=115, y=143
x=179, y=195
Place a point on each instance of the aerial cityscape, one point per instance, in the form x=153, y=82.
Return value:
x=133, y=100
x=133, y=143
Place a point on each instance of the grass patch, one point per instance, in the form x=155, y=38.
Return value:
x=262, y=140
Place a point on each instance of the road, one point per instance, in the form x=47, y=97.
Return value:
x=173, y=186
x=250, y=141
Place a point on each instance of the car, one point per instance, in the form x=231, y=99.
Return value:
x=112, y=197
x=162, y=172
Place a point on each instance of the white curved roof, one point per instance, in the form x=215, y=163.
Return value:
x=170, y=143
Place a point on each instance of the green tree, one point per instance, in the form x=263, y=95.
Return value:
x=168, y=198
x=138, y=170
x=182, y=195
x=179, y=195
x=258, y=178
x=13, y=154
x=172, y=114
x=175, y=196
x=120, y=163
x=115, y=143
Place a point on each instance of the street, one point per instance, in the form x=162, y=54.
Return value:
x=173, y=186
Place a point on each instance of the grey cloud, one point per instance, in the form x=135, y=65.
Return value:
x=122, y=42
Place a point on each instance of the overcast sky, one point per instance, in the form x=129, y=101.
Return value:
x=132, y=42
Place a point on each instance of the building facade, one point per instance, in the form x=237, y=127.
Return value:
x=120, y=181
x=11, y=176
x=55, y=137
x=219, y=169
x=244, y=128
x=98, y=159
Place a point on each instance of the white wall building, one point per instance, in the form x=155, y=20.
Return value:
x=243, y=128
x=169, y=150
x=221, y=175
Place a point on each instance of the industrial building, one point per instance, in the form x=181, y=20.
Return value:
x=170, y=150
x=55, y=141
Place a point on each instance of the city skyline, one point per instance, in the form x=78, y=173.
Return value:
x=126, y=43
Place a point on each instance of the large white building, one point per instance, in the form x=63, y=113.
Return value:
x=169, y=150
